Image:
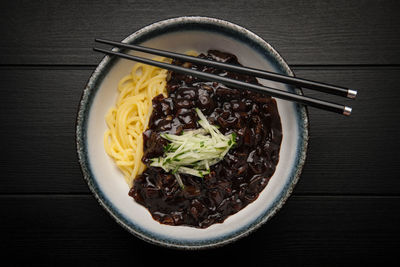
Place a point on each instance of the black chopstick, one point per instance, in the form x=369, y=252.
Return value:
x=313, y=102
x=323, y=87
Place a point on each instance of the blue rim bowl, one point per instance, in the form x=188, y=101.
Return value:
x=237, y=36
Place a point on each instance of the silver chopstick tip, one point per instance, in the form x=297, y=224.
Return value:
x=347, y=111
x=351, y=93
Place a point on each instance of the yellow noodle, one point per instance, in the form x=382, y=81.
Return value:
x=129, y=118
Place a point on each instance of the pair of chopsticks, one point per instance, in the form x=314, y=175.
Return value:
x=309, y=101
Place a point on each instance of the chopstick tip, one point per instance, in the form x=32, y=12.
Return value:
x=351, y=93
x=347, y=111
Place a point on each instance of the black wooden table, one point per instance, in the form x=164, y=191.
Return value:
x=345, y=209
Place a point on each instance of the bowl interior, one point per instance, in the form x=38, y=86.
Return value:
x=107, y=181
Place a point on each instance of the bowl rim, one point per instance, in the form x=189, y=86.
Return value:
x=84, y=110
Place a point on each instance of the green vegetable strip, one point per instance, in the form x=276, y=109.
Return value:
x=195, y=151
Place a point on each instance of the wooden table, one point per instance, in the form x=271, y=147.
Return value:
x=345, y=209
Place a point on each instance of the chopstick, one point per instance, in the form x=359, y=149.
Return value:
x=309, y=101
x=323, y=87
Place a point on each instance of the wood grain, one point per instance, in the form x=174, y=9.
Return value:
x=311, y=231
x=39, y=110
x=304, y=32
x=357, y=155
x=344, y=211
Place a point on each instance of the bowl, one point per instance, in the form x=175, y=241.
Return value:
x=107, y=183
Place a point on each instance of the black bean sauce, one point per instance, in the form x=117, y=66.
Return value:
x=235, y=181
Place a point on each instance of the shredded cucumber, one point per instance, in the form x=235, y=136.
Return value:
x=195, y=151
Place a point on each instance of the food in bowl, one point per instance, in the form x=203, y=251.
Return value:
x=209, y=149
x=105, y=179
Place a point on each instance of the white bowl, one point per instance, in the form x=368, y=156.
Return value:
x=107, y=182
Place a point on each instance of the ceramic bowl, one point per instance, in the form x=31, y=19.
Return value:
x=107, y=182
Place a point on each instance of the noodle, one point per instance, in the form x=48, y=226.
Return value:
x=129, y=118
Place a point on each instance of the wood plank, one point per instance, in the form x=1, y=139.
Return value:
x=357, y=154
x=311, y=231
x=304, y=32
x=354, y=155
x=38, y=107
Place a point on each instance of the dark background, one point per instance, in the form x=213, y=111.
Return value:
x=345, y=209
